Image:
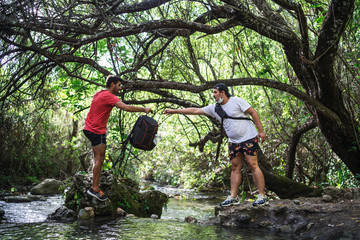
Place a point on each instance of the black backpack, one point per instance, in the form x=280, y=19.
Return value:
x=143, y=133
x=141, y=137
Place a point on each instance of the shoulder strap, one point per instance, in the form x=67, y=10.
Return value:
x=220, y=111
x=220, y=141
x=240, y=118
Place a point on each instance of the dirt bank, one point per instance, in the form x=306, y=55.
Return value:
x=302, y=218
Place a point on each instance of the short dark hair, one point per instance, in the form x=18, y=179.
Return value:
x=222, y=87
x=113, y=79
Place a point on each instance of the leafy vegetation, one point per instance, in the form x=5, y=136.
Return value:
x=275, y=55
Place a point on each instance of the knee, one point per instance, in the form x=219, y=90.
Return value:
x=235, y=167
x=99, y=160
x=253, y=166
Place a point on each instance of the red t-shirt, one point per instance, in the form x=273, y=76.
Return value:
x=100, y=109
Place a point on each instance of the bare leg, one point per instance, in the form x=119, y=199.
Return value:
x=99, y=157
x=235, y=178
x=257, y=174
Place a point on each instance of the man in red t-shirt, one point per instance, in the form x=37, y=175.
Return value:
x=95, y=127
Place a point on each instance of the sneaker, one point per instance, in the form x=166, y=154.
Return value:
x=261, y=200
x=99, y=194
x=230, y=201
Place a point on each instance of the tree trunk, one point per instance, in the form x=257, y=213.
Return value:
x=70, y=162
x=282, y=186
x=317, y=76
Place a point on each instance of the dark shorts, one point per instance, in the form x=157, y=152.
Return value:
x=94, y=138
x=249, y=147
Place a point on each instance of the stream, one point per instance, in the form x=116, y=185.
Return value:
x=28, y=221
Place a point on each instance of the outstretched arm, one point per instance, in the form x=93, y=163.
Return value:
x=131, y=108
x=187, y=111
x=255, y=116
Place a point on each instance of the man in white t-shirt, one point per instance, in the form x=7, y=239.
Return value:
x=242, y=137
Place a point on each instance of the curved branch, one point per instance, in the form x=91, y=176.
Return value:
x=211, y=67
x=144, y=61
x=19, y=85
x=290, y=5
x=137, y=7
x=295, y=138
x=213, y=136
x=142, y=85
x=273, y=30
x=177, y=101
x=193, y=60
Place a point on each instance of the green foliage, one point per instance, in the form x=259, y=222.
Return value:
x=32, y=179
x=35, y=121
x=243, y=196
x=123, y=205
x=146, y=206
x=33, y=145
x=340, y=176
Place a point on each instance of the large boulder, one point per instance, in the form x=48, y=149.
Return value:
x=2, y=215
x=47, y=187
x=23, y=198
x=334, y=192
x=310, y=218
x=122, y=193
x=63, y=214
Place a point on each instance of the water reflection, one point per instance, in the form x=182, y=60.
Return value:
x=27, y=221
x=124, y=229
x=180, y=208
x=187, y=202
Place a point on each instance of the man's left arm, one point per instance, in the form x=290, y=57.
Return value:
x=255, y=116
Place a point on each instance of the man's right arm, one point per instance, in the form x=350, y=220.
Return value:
x=131, y=108
x=186, y=111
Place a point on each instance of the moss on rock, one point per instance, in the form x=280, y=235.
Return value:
x=122, y=192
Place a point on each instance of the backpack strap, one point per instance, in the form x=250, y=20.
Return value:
x=222, y=114
x=240, y=118
x=123, y=148
x=220, y=141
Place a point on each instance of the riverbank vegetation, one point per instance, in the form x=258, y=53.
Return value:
x=297, y=64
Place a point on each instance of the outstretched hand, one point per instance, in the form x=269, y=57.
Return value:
x=147, y=110
x=169, y=111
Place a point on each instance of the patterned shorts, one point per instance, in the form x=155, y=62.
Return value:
x=249, y=147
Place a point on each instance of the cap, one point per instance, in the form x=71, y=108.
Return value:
x=222, y=87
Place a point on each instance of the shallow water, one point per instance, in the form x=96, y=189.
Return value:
x=123, y=229
x=31, y=212
x=189, y=203
x=27, y=221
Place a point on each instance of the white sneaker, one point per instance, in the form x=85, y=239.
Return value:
x=230, y=201
x=261, y=200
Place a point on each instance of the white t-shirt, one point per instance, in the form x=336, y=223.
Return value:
x=238, y=131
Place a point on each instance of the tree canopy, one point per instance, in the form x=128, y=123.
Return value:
x=172, y=52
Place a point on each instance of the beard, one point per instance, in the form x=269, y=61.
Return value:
x=220, y=100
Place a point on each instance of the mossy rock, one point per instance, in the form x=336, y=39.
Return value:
x=150, y=200
x=122, y=192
